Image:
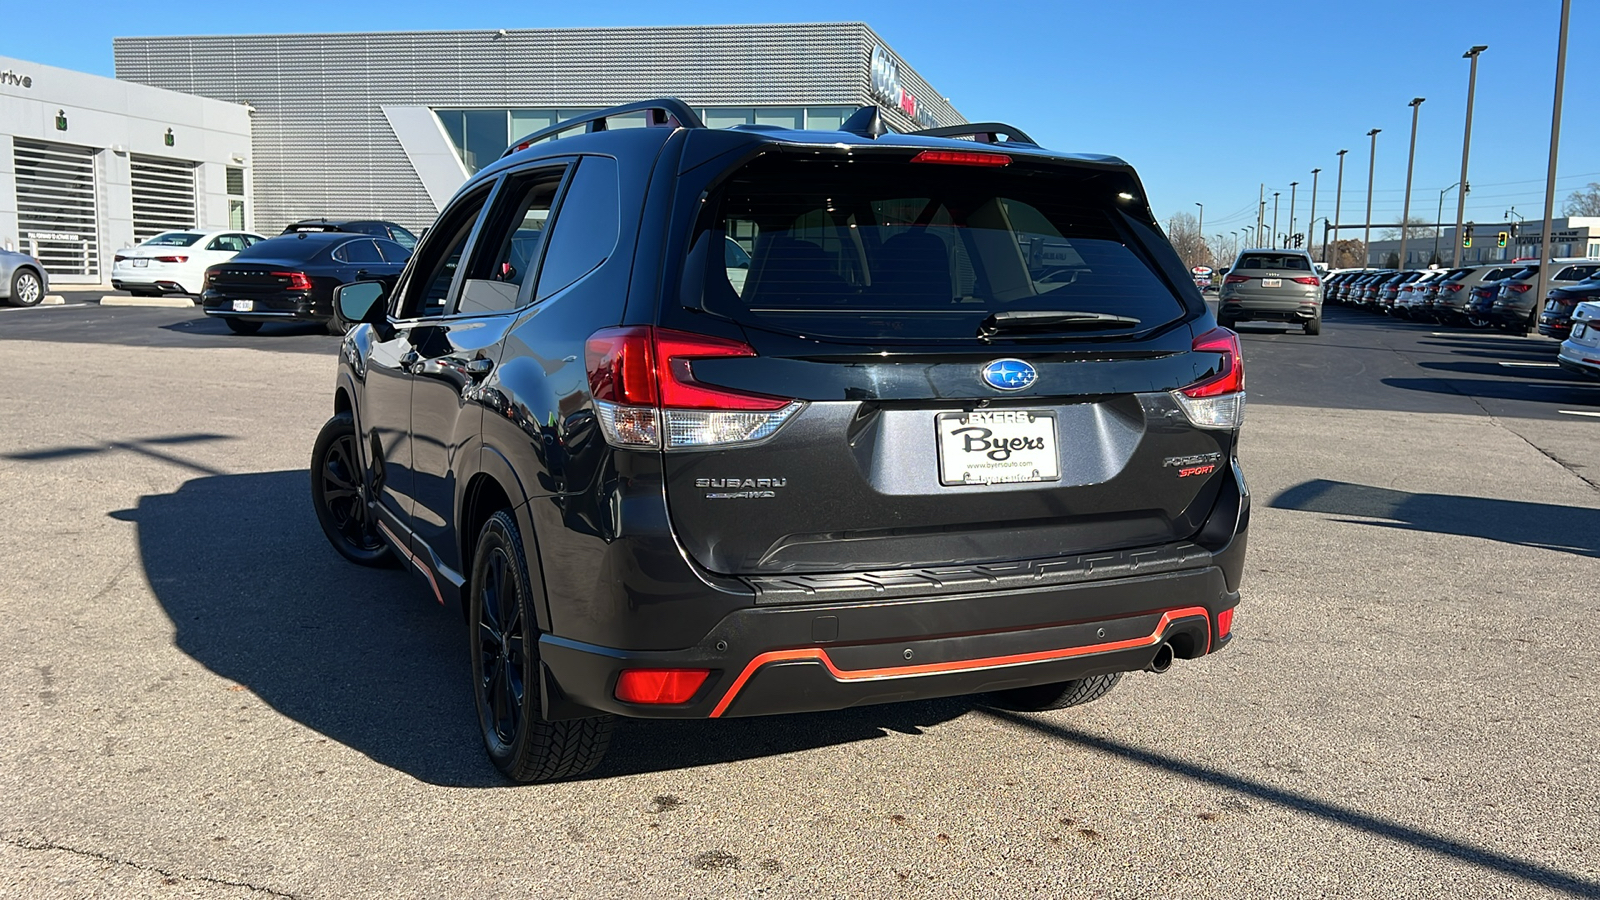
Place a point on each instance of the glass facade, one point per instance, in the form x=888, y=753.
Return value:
x=481, y=135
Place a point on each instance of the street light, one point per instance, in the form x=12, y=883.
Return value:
x=1546, y=251
x=1405, y=214
x=1235, y=253
x=1466, y=143
x=1275, y=220
x=1338, y=199
x=1366, y=236
x=1200, y=227
x=1293, y=187
x=1310, y=238
x=1436, y=227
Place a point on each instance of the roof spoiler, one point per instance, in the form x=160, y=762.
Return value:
x=667, y=112
x=982, y=132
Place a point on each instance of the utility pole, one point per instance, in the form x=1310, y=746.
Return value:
x=1338, y=199
x=1405, y=215
x=1437, y=223
x=1312, y=225
x=1294, y=186
x=1200, y=230
x=1546, y=251
x=1275, y=219
x=1466, y=143
x=1261, y=214
x=1366, y=236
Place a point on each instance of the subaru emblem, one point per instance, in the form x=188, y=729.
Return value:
x=1009, y=375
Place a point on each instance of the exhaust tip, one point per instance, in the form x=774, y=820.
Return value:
x=1162, y=661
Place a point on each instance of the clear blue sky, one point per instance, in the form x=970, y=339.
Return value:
x=1208, y=100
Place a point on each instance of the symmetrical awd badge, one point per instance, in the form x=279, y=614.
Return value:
x=1009, y=375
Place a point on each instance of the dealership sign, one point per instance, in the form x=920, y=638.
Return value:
x=886, y=87
x=15, y=79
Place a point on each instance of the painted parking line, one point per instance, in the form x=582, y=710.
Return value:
x=1579, y=412
x=1530, y=365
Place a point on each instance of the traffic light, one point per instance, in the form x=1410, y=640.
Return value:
x=1466, y=238
x=1501, y=239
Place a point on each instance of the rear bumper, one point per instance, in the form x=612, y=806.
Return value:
x=832, y=656
x=299, y=305
x=1269, y=310
x=1579, y=361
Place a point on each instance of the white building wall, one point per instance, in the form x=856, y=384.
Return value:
x=114, y=119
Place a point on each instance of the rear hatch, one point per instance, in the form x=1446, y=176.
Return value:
x=953, y=360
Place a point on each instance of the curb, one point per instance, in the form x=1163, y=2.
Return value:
x=53, y=300
x=166, y=302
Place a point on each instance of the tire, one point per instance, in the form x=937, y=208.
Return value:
x=143, y=292
x=1045, y=697
x=350, y=525
x=26, y=288
x=333, y=327
x=1314, y=326
x=240, y=326
x=504, y=651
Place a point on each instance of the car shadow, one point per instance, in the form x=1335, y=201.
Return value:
x=1518, y=369
x=213, y=326
x=1569, y=529
x=366, y=658
x=1515, y=388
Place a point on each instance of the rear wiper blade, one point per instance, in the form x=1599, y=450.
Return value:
x=1046, y=321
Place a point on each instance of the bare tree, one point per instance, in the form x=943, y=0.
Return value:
x=1584, y=201
x=1184, y=233
x=1417, y=228
x=1350, y=254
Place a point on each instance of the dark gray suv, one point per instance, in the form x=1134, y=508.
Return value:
x=1274, y=286
x=954, y=420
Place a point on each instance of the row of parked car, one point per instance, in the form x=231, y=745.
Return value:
x=1498, y=295
x=246, y=279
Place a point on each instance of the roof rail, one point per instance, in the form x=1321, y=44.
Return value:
x=982, y=132
x=667, y=112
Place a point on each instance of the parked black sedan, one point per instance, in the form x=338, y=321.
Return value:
x=292, y=277
x=1556, y=319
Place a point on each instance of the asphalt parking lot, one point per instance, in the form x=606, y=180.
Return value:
x=198, y=697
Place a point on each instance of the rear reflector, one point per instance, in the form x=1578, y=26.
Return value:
x=1224, y=623
x=1216, y=400
x=660, y=686
x=961, y=158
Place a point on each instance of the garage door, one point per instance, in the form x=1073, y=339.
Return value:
x=163, y=195
x=56, y=205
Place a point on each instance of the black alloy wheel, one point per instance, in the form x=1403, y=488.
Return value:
x=26, y=288
x=342, y=510
x=504, y=645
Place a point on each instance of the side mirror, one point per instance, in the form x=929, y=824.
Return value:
x=360, y=301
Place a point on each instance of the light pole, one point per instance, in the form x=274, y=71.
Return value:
x=1338, y=199
x=1366, y=236
x=1466, y=143
x=1294, y=186
x=1311, y=226
x=1200, y=229
x=1546, y=251
x=1436, y=224
x=1261, y=214
x=1216, y=263
x=1235, y=253
x=1275, y=219
x=1405, y=214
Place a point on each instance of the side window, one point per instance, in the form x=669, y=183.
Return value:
x=231, y=243
x=508, y=250
x=586, y=226
x=438, y=257
x=362, y=251
x=393, y=252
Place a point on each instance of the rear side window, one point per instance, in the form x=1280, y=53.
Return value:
x=393, y=252
x=1273, y=261
x=894, y=251
x=586, y=228
x=362, y=251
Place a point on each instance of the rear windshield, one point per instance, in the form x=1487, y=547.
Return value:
x=1274, y=261
x=1528, y=272
x=288, y=247
x=173, y=239
x=896, y=251
x=1576, y=273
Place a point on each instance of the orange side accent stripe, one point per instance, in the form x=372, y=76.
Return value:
x=415, y=561
x=962, y=665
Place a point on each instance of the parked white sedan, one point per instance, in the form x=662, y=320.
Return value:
x=175, y=262
x=1581, y=352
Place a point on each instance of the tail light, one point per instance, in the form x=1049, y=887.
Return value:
x=1235, y=279
x=172, y=259
x=659, y=686
x=1520, y=288
x=961, y=158
x=1217, y=400
x=645, y=392
x=1452, y=287
x=298, y=281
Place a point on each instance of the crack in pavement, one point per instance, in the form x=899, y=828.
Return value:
x=25, y=843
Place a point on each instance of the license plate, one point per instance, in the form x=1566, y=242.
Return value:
x=141, y=263
x=1272, y=282
x=244, y=305
x=997, y=447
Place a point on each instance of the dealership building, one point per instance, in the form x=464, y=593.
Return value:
x=389, y=125
x=90, y=164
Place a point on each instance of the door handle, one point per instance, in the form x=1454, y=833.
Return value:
x=363, y=273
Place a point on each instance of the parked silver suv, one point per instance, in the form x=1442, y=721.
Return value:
x=1272, y=285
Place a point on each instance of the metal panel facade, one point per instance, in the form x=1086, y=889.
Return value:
x=322, y=145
